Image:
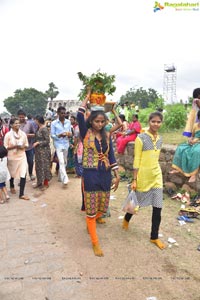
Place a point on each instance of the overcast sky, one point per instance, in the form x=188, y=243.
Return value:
x=51, y=40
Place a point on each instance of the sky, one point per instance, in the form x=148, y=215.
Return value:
x=45, y=41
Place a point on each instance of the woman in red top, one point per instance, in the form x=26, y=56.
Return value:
x=130, y=135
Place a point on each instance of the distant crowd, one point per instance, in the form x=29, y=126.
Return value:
x=34, y=144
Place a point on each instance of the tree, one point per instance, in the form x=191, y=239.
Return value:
x=158, y=103
x=140, y=96
x=29, y=99
x=52, y=92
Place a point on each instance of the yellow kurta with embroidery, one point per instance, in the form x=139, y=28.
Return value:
x=146, y=160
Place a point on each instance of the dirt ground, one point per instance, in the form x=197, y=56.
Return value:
x=132, y=266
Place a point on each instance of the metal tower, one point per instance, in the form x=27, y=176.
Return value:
x=169, y=84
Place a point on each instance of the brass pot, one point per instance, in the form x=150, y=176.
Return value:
x=97, y=99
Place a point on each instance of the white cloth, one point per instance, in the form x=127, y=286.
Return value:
x=62, y=158
x=4, y=173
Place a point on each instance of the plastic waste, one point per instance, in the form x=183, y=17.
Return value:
x=171, y=240
x=130, y=205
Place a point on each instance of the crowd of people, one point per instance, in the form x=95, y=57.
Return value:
x=83, y=144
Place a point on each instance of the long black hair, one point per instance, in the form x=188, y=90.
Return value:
x=3, y=152
x=198, y=115
x=92, y=117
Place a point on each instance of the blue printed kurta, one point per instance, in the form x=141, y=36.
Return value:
x=96, y=176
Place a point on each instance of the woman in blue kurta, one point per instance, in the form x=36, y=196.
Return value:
x=98, y=161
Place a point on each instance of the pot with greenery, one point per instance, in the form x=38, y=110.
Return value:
x=100, y=84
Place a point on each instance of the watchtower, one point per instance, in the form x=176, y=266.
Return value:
x=169, y=83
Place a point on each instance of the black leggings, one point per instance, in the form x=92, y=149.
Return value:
x=30, y=160
x=21, y=185
x=156, y=219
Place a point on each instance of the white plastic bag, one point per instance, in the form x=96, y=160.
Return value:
x=130, y=205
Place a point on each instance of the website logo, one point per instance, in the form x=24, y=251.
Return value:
x=157, y=6
x=181, y=6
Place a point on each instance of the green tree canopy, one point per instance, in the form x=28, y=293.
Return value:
x=52, y=92
x=141, y=97
x=29, y=99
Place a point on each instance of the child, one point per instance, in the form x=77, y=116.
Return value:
x=3, y=175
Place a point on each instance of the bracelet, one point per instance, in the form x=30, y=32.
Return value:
x=134, y=179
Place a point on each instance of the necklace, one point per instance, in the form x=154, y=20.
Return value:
x=103, y=157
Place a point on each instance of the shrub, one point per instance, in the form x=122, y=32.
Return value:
x=174, y=117
x=144, y=116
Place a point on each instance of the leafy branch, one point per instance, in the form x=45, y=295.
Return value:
x=100, y=83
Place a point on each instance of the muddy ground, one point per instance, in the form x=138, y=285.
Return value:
x=132, y=266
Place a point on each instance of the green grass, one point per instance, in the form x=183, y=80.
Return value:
x=174, y=137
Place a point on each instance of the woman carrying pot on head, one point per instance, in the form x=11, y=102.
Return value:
x=98, y=162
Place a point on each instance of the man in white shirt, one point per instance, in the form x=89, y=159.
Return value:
x=122, y=110
x=60, y=133
x=49, y=114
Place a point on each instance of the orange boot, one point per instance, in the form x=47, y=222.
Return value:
x=91, y=225
x=158, y=243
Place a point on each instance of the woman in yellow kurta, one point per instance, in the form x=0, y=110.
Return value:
x=147, y=175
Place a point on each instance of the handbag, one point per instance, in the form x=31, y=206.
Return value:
x=131, y=205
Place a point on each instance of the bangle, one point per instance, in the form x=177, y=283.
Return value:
x=134, y=179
